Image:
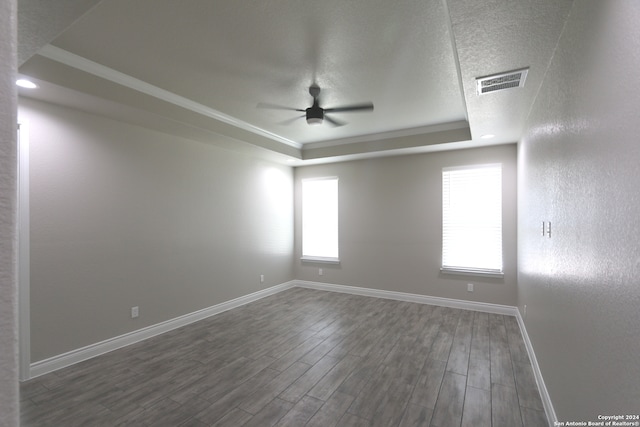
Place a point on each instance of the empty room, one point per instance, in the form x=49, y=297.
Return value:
x=342, y=213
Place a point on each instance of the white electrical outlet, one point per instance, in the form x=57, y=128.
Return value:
x=320, y=272
x=135, y=312
x=262, y=278
x=469, y=287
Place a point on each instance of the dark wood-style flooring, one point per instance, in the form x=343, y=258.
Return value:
x=305, y=358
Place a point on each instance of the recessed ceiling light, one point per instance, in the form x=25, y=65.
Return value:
x=27, y=84
x=487, y=136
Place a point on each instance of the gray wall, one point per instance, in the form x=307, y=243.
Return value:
x=391, y=225
x=123, y=216
x=578, y=168
x=8, y=299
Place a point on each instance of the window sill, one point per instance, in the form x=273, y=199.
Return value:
x=472, y=272
x=320, y=259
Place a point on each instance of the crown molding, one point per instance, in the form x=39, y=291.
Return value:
x=83, y=64
x=422, y=130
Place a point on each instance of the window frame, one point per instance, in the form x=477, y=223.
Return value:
x=474, y=270
x=320, y=258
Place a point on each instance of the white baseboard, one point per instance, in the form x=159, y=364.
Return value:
x=75, y=356
x=402, y=296
x=453, y=303
x=542, y=388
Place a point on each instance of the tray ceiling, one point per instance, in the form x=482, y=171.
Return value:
x=204, y=65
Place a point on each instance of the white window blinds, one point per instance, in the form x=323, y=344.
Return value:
x=472, y=219
x=320, y=219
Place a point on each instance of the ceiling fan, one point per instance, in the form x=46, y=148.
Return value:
x=316, y=114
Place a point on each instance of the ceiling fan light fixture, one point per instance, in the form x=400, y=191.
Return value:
x=315, y=114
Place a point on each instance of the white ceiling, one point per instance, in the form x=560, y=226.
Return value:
x=201, y=67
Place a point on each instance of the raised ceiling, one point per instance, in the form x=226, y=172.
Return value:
x=199, y=68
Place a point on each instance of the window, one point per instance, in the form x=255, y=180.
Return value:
x=472, y=219
x=320, y=219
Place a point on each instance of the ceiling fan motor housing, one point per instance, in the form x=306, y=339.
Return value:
x=315, y=115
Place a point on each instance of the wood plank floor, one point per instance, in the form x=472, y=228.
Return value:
x=305, y=358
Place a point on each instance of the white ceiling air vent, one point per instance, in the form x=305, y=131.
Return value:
x=501, y=81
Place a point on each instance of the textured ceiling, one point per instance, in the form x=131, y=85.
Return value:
x=206, y=64
x=41, y=21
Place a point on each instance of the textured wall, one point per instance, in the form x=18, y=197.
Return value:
x=578, y=168
x=391, y=225
x=122, y=216
x=8, y=300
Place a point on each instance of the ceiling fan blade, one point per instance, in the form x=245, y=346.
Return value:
x=276, y=107
x=334, y=122
x=289, y=121
x=366, y=106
